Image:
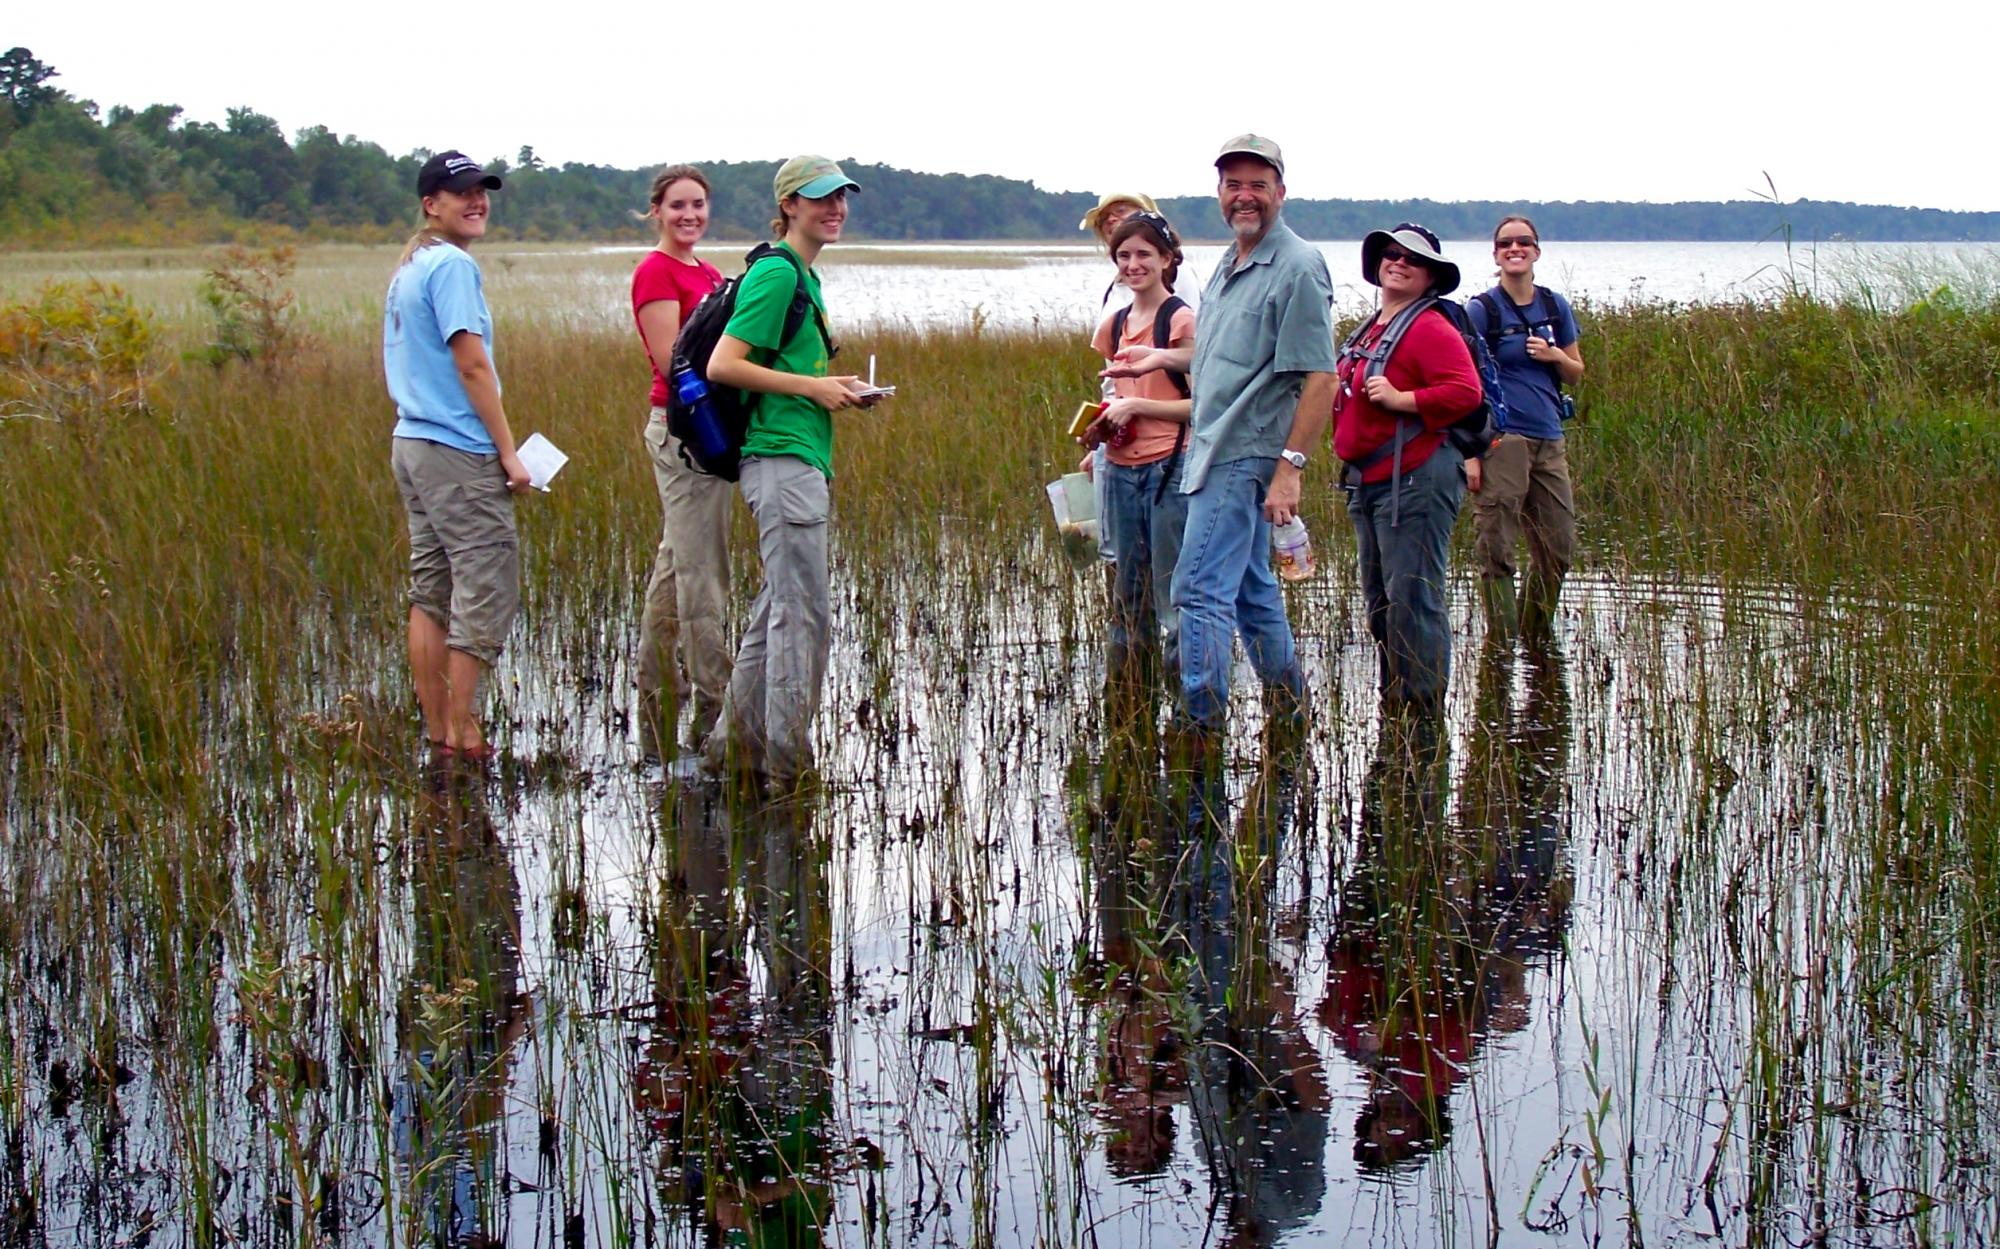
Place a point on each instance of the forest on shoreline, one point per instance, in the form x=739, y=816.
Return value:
x=73, y=174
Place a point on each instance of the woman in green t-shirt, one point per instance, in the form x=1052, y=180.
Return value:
x=765, y=730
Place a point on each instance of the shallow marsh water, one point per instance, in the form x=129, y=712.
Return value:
x=1607, y=968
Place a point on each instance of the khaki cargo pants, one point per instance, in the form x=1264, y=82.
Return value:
x=773, y=696
x=687, y=597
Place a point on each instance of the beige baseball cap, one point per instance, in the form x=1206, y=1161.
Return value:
x=1255, y=145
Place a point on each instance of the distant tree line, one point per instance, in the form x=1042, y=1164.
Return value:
x=71, y=173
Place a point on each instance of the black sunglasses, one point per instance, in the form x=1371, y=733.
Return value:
x=1400, y=256
x=1519, y=240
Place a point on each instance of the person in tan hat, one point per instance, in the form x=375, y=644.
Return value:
x=1112, y=209
x=765, y=727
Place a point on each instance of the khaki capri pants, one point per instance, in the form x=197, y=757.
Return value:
x=465, y=558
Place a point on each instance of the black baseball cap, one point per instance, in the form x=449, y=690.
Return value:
x=453, y=171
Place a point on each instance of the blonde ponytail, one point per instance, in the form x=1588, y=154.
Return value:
x=426, y=236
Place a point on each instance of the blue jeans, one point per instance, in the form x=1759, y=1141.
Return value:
x=1402, y=577
x=1147, y=536
x=1223, y=583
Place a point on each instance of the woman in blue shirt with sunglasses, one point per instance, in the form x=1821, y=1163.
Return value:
x=1523, y=483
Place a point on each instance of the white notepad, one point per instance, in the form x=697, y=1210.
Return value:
x=542, y=460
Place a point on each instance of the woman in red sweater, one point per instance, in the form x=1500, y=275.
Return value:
x=1404, y=480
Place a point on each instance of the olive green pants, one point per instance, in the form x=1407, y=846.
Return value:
x=1526, y=489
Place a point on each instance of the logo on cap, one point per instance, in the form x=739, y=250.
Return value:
x=453, y=171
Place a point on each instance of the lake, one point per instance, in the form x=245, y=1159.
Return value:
x=1022, y=286
x=1055, y=284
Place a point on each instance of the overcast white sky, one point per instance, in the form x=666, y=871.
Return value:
x=1882, y=103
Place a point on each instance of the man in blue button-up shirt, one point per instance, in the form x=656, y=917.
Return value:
x=1262, y=374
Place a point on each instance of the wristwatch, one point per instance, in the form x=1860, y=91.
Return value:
x=1297, y=459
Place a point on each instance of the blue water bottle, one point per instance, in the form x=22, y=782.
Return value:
x=704, y=431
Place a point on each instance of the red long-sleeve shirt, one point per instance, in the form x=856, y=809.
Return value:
x=1431, y=362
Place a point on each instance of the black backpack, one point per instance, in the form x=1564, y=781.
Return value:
x=1497, y=329
x=1163, y=336
x=696, y=342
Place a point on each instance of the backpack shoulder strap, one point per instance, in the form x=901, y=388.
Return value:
x=802, y=301
x=1351, y=345
x=1408, y=426
x=1163, y=336
x=1494, y=321
x=1392, y=335
x=1118, y=320
x=1552, y=309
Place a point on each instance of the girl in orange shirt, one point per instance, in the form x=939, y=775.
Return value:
x=1144, y=426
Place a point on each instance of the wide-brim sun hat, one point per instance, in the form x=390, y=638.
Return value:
x=1417, y=241
x=1111, y=200
x=814, y=177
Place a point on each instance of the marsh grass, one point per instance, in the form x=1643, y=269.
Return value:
x=1756, y=782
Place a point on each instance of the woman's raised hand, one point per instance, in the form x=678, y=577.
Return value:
x=1133, y=362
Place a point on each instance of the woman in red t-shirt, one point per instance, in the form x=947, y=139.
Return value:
x=687, y=597
x=1144, y=427
x=1405, y=503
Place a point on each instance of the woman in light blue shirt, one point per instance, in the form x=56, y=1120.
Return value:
x=453, y=457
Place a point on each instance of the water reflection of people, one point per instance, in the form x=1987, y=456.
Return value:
x=1437, y=930
x=1142, y=1077
x=1255, y=1082
x=461, y=1011
x=737, y=1077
